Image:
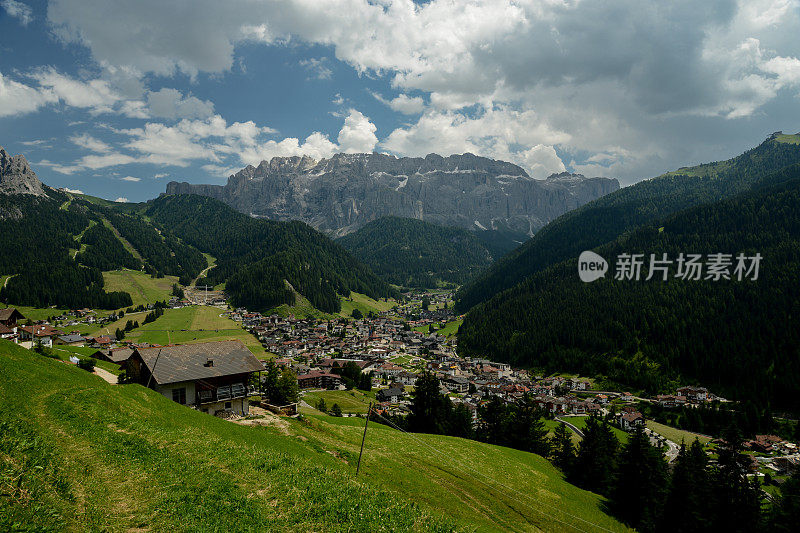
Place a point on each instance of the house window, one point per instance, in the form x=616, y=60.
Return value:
x=179, y=395
x=227, y=405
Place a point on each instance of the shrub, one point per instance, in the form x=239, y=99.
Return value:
x=86, y=364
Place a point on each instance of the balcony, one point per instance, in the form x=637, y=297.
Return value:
x=225, y=393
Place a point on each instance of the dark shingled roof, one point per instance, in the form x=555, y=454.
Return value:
x=6, y=313
x=187, y=362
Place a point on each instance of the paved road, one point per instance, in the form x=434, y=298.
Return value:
x=106, y=375
x=672, y=448
x=571, y=426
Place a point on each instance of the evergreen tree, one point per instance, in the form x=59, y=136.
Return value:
x=336, y=410
x=321, y=405
x=461, y=422
x=639, y=483
x=686, y=504
x=736, y=503
x=786, y=511
x=563, y=452
x=429, y=409
x=595, y=461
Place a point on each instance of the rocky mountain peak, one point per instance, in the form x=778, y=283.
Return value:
x=340, y=194
x=16, y=176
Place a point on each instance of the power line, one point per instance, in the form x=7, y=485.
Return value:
x=512, y=489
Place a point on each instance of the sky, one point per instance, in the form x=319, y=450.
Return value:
x=116, y=98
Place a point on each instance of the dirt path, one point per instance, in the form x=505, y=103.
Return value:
x=106, y=375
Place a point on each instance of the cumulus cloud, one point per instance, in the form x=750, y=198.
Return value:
x=357, y=134
x=635, y=73
x=220, y=147
x=408, y=105
x=502, y=133
x=18, y=10
x=122, y=200
x=73, y=191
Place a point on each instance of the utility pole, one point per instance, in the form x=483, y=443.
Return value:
x=369, y=412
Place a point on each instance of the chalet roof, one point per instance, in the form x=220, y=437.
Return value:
x=188, y=362
x=9, y=312
x=73, y=337
x=120, y=354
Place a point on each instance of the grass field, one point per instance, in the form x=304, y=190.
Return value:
x=142, y=288
x=38, y=313
x=350, y=401
x=194, y=324
x=676, y=435
x=580, y=423
x=78, y=454
x=363, y=303
x=449, y=329
x=788, y=139
x=551, y=426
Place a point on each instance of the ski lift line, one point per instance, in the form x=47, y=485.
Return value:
x=512, y=489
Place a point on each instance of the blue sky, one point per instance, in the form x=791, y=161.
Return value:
x=116, y=98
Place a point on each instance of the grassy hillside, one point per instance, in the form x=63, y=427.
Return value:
x=129, y=459
x=365, y=304
x=143, y=288
x=193, y=324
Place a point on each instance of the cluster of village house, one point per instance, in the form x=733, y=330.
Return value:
x=216, y=377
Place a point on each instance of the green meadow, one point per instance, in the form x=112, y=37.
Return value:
x=78, y=454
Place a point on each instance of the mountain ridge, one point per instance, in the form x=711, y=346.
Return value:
x=604, y=219
x=340, y=194
x=17, y=177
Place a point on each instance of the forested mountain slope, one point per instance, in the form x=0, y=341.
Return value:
x=414, y=253
x=742, y=338
x=256, y=257
x=604, y=219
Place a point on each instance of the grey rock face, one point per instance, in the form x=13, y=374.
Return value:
x=341, y=194
x=16, y=176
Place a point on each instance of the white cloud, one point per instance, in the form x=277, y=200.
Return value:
x=73, y=191
x=96, y=95
x=408, y=105
x=18, y=10
x=122, y=200
x=636, y=73
x=502, y=133
x=357, y=134
x=317, y=68
x=85, y=140
x=170, y=103
x=17, y=98
x=161, y=175
x=131, y=178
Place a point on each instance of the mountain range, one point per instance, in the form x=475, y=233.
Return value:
x=340, y=194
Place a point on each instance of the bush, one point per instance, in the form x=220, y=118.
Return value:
x=86, y=364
